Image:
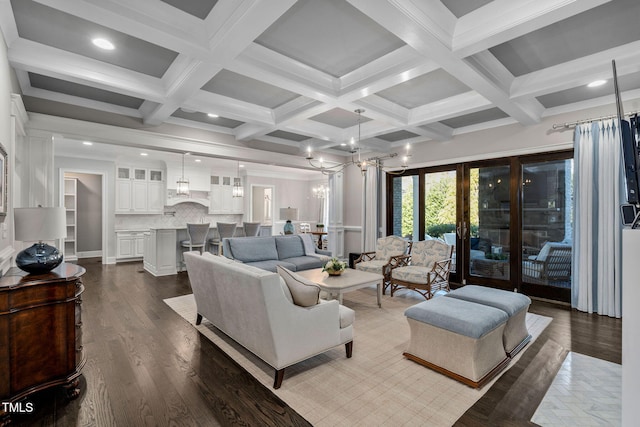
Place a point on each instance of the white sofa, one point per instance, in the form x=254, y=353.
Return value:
x=251, y=306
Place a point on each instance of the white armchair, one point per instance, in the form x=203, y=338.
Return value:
x=384, y=258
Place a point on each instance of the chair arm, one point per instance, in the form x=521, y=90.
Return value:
x=533, y=267
x=400, y=261
x=365, y=256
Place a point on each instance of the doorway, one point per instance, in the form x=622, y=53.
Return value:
x=262, y=206
x=83, y=194
x=509, y=220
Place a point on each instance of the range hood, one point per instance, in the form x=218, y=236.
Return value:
x=200, y=197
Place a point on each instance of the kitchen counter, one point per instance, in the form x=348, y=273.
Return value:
x=162, y=250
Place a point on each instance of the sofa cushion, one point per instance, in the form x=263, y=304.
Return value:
x=289, y=247
x=509, y=302
x=458, y=316
x=308, y=243
x=305, y=293
x=305, y=262
x=271, y=264
x=253, y=249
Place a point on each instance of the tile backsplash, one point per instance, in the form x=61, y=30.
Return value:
x=174, y=216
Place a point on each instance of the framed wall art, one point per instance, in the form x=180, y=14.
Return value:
x=4, y=167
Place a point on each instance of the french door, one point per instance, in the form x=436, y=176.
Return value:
x=498, y=215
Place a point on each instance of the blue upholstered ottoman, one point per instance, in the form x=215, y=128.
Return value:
x=516, y=335
x=458, y=338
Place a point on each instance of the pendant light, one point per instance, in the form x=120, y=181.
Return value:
x=238, y=189
x=182, y=187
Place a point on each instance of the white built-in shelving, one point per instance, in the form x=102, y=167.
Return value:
x=71, y=206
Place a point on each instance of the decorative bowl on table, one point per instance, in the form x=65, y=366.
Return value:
x=334, y=267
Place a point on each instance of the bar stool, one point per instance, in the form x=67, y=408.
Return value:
x=197, y=234
x=251, y=228
x=225, y=230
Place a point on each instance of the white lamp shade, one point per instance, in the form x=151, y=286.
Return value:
x=35, y=224
x=289, y=214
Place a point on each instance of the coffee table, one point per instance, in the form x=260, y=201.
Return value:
x=349, y=280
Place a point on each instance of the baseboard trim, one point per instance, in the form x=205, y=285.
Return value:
x=89, y=254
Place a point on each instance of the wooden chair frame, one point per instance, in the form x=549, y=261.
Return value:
x=436, y=280
x=394, y=261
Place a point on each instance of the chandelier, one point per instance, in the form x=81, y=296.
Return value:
x=182, y=185
x=356, y=160
x=238, y=189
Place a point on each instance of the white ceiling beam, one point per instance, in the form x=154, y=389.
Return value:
x=152, y=21
x=244, y=22
x=578, y=72
x=60, y=64
x=504, y=20
x=420, y=32
x=464, y=103
x=278, y=70
x=7, y=23
x=230, y=108
x=82, y=102
x=80, y=130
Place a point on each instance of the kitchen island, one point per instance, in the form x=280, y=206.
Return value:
x=162, y=250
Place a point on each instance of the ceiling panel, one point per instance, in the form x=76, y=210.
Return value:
x=398, y=135
x=323, y=60
x=246, y=89
x=204, y=118
x=329, y=35
x=462, y=7
x=339, y=118
x=613, y=24
x=475, y=118
x=198, y=8
x=288, y=135
x=424, y=89
x=54, y=28
x=82, y=91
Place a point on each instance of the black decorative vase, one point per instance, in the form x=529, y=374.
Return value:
x=40, y=258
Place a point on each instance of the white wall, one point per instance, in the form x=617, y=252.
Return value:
x=6, y=138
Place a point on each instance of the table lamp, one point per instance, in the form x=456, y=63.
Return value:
x=38, y=224
x=289, y=214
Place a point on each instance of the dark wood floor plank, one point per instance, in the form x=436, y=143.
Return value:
x=148, y=366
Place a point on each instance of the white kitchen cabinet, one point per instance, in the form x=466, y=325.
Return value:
x=160, y=252
x=221, y=199
x=130, y=244
x=139, y=190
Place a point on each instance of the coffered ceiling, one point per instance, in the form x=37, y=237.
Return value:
x=289, y=73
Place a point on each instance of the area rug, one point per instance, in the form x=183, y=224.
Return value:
x=585, y=392
x=377, y=386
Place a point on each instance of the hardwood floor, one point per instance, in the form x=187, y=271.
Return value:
x=147, y=366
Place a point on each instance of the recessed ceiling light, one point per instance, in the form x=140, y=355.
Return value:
x=144, y=154
x=198, y=160
x=344, y=144
x=596, y=83
x=103, y=43
x=241, y=166
x=87, y=142
x=213, y=116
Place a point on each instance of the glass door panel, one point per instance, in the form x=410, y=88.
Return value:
x=489, y=222
x=405, y=207
x=440, y=212
x=547, y=223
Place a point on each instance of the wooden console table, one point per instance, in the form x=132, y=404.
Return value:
x=40, y=333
